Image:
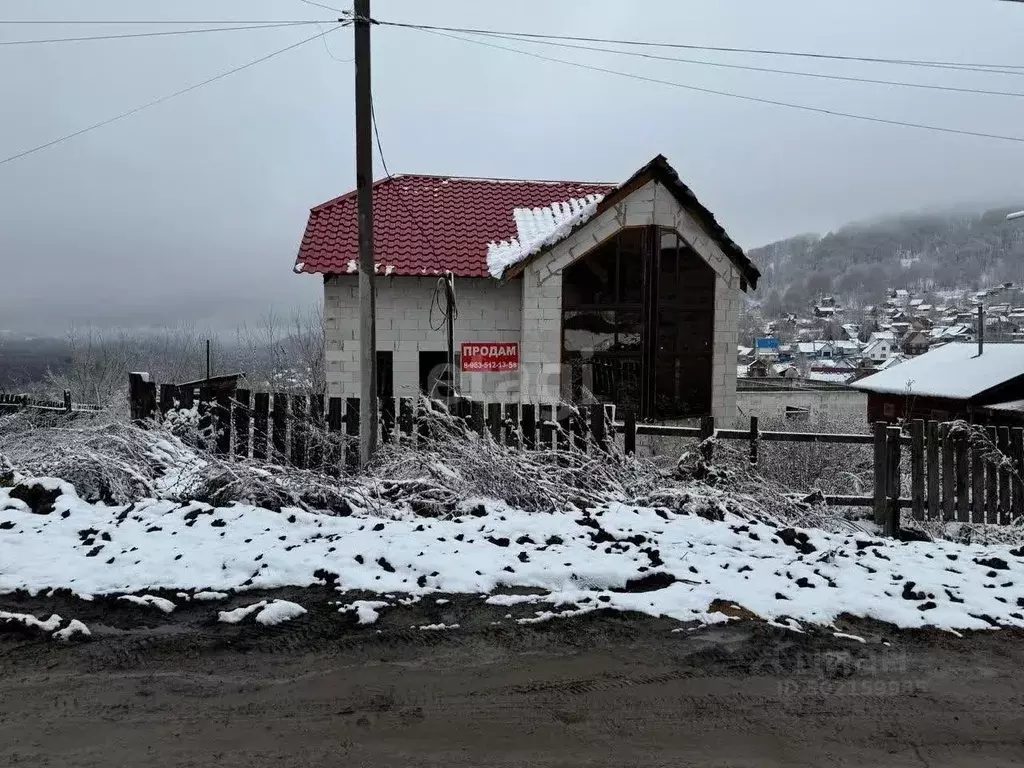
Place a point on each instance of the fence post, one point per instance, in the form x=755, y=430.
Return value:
x=917, y=468
x=707, y=431
x=629, y=432
x=67, y=401
x=168, y=394
x=891, y=526
x=948, y=473
x=881, y=470
x=755, y=438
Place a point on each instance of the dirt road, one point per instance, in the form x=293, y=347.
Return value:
x=597, y=690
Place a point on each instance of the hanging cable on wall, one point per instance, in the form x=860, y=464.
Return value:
x=449, y=313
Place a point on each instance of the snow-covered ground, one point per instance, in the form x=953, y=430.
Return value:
x=620, y=557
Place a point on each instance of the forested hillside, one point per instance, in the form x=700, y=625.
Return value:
x=860, y=262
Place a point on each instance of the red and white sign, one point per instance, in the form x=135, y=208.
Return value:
x=490, y=356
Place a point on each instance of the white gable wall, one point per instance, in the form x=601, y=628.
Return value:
x=542, y=295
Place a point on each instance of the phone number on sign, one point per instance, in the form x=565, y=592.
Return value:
x=490, y=366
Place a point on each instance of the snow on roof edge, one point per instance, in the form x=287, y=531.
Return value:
x=539, y=228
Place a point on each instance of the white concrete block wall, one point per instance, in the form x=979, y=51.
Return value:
x=489, y=310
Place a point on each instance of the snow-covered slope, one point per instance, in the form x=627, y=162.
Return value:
x=650, y=560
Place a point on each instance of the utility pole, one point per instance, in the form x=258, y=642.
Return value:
x=364, y=191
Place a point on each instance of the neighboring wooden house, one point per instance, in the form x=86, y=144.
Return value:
x=950, y=382
x=915, y=343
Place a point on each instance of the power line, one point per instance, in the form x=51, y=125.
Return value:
x=757, y=99
x=321, y=5
x=154, y=34
x=162, y=99
x=143, y=22
x=750, y=68
x=994, y=68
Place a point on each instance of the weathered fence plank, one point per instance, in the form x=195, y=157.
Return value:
x=529, y=426
x=891, y=526
x=948, y=473
x=1016, y=508
x=962, y=449
x=598, y=427
x=279, y=423
x=222, y=423
x=168, y=394
x=917, y=468
x=881, y=466
x=512, y=424
x=992, y=479
x=405, y=417
x=755, y=439
x=629, y=434
x=1005, y=475
x=242, y=419
x=978, y=451
x=352, y=432
x=494, y=422
x=260, y=423
x=931, y=434
x=300, y=430
x=205, y=418
x=316, y=434
x=335, y=424
x=476, y=417
x=545, y=417
x=388, y=418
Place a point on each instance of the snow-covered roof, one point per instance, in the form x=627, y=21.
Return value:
x=537, y=228
x=916, y=302
x=831, y=378
x=1016, y=406
x=883, y=336
x=744, y=351
x=954, y=371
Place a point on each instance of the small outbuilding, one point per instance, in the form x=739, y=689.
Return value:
x=954, y=381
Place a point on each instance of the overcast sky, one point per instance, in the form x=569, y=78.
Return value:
x=193, y=209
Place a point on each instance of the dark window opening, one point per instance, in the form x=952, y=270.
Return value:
x=638, y=325
x=435, y=380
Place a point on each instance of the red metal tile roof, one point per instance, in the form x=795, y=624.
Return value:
x=428, y=224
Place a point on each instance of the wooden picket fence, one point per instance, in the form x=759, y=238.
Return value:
x=958, y=472
x=323, y=432
x=12, y=403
